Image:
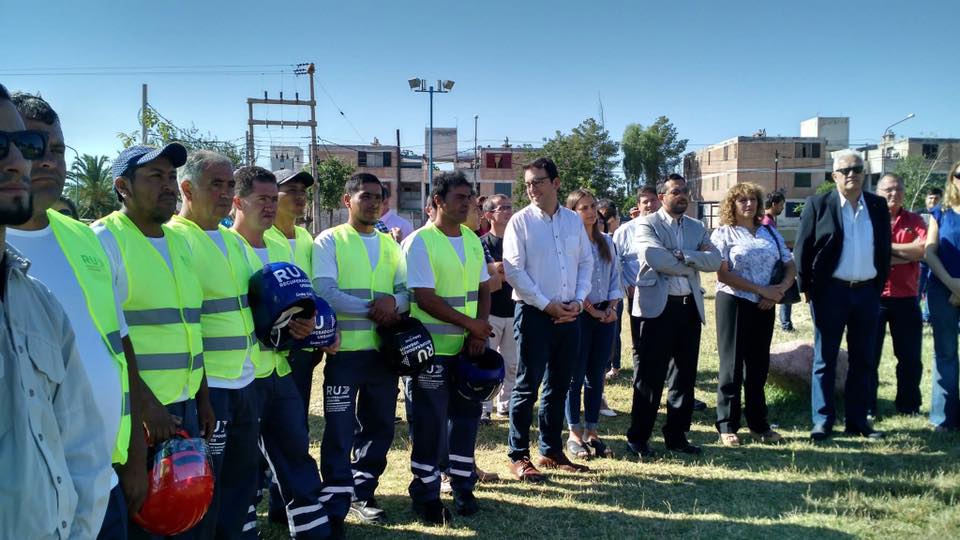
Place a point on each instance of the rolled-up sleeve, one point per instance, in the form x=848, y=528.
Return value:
x=514, y=263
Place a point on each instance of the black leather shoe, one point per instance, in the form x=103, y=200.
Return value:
x=641, y=450
x=683, y=446
x=465, y=503
x=867, y=432
x=368, y=511
x=432, y=512
x=699, y=405
x=820, y=433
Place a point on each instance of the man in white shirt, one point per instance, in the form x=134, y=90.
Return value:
x=548, y=260
x=399, y=227
x=38, y=241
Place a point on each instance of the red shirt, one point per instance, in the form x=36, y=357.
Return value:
x=904, y=279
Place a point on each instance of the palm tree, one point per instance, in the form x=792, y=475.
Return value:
x=92, y=185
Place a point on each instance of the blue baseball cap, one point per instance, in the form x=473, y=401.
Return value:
x=140, y=155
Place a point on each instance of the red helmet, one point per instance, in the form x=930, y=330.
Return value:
x=180, y=487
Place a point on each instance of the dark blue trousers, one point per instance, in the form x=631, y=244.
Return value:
x=441, y=414
x=906, y=331
x=284, y=444
x=359, y=403
x=596, y=340
x=235, y=456
x=114, y=525
x=547, y=355
x=836, y=307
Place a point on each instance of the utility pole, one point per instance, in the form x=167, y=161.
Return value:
x=776, y=168
x=396, y=192
x=143, y=115
x=476, y=154
x=301, y=69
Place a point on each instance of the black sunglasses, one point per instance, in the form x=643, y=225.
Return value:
x=957, y=175
x=32, y=144
x=847, y=170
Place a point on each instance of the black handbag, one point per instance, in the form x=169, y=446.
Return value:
x=791, y=295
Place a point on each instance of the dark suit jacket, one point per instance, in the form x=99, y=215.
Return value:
x=820, y=240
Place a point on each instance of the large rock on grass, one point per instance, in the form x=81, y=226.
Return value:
x=791, y=365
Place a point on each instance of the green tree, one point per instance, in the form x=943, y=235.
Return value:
x=332, y=176
x=585, y=158
x=91, y=183
x=161, y=132
x=917, y=179
x=826, y=187
x=650, y=153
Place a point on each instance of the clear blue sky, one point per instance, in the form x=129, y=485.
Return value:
x=527, y=68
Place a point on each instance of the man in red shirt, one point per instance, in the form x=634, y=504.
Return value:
x=899, y=303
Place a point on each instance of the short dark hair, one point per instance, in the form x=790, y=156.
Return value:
x=607, y=209
x=34, y=107
x=935, y=191
x=72, y=206
x=490, y=205
x=356, y=182
x=672, y=177
x=646, y=189
x=544, y=163
x=246, y=176
x=386, y=189
x=445, y=181
x=772, y=198
x=3, y=93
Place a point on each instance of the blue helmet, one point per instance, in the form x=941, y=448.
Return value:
x=478, y=378
x=324, y=331
x=277, y=293
x=407, y=346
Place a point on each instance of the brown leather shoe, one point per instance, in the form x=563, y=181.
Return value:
x=560, y=461
x=524, y=470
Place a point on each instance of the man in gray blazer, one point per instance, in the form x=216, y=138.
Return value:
x=672, y=249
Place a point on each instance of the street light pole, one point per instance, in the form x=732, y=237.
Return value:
x=443, y=87
x=883, y=157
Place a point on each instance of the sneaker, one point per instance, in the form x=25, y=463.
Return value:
x=605, y=409
x=367, y=511
x=445, y=486
x=432, y=512
x=729, y=439
x=465, y=503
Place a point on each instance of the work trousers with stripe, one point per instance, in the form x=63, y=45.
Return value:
x=284, y=444
x=441, y=415
x=359, y=403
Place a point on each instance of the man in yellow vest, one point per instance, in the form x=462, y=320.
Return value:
x=229, y=344
x=158, y=289
x=359, y=271
x=54, y=242
x=447, y=273
x=284, y=440
x=291, y=203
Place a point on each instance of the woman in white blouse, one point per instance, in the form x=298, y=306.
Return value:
x=598, y=324
x=744, y=310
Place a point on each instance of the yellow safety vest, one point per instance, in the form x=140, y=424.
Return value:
x=455, y=282
x=302, y=249
x=225, y=315
x=278, y=250
x=356, y=278
x=162, y=310
x=89, y=263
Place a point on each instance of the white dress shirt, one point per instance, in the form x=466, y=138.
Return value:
x=547, y=258
x=391, y=220
x=856, y=256
x=624, y=238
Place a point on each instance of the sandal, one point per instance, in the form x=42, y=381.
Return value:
x=769, y=436
x=578, y=449
x=599, y=448
x=729, y=439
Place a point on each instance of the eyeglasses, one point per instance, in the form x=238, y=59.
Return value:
x=32, y=144
x=536, y=182
x=679, y=191
x=847, y=170
x=957, y=175
x=502, y=209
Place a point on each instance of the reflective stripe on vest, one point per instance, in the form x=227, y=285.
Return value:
x=225, y=316
x=265, y=359
x=162, y=310
x=356, y=278
x=455, y=282
x=91, y=268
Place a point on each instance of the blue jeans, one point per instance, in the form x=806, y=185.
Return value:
x=945, y=399
x=596, y=340
x=786, y=312
x=114, y=525
x=836, y=307
x=548, y=352
x=617, y=342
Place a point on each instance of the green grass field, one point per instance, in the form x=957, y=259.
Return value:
x=906, y=486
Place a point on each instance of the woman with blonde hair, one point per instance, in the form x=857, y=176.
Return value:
x=744, y=310
x=597, y=323
x=943, y=300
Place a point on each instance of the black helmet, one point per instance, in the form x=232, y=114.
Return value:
x=277, y=293
x=478, y=378
x=407, y=345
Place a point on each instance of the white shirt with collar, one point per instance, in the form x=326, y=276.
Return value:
x=856, y=256
x=391, y=220
x=676, y=285
x=547, y=257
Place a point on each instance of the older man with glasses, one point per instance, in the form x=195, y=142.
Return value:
x=843, y=254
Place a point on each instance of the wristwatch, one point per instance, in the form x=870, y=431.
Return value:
x=679, y=255
x=579, y=306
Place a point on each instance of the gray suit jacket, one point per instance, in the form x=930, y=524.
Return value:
x=655, y=242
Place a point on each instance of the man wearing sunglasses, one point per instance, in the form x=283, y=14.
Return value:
x=843, y=253
x=55, y=458
x=55, y=242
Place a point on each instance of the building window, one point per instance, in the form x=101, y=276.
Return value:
x=930, y=151
x=503, y=188
x=801, y=179
x=499, y=161
x=374, y=159
x=726, y=153
x=806, y=150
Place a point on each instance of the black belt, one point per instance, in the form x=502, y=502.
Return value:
x=688, y=299
x=854, y=284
